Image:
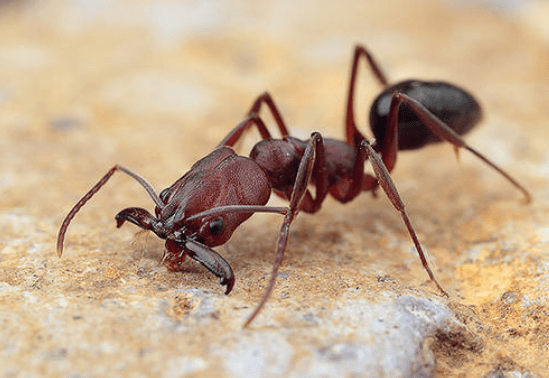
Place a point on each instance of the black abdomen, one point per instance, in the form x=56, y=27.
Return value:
x=451, y=104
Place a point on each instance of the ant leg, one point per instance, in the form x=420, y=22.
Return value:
x=64, y=226
x=360, y=181
x=302, y=180
x=267, y=99
x=385, y=181
x=353, y=135
x=253, y=117
x=390, y=142
x=365, y=182
x=237, y=132
x=309, y=204
x=444, y=132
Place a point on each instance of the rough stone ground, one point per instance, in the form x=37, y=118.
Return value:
x=156, y=85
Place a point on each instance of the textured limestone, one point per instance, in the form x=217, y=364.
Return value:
x=155, y=86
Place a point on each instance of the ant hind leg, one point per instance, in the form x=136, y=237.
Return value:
x=353, y=135
x=444, y=132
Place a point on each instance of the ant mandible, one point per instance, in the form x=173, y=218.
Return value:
x=203, y=208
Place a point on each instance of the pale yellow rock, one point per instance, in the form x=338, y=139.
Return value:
x=156, y=85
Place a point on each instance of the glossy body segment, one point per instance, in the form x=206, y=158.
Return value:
x=452, y=105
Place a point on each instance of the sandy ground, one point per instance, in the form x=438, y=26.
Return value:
x=156, y=85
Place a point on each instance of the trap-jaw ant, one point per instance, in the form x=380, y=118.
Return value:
x=203, y=208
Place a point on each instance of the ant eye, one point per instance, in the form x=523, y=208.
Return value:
x=216, y=226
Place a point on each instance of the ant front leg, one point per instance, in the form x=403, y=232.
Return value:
x=444, y=132
x=312, y=163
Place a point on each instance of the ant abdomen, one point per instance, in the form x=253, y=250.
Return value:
x=451, y=104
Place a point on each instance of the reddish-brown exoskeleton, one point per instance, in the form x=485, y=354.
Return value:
x=203, y=208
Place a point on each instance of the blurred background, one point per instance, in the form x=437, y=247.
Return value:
x=155, y=85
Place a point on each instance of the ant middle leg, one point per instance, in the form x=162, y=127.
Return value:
x=236, y=133
x=267, y=99
x=253, y=117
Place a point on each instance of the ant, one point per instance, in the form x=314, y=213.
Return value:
x=203, y=208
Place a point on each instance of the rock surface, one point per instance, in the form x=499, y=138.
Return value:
x=156, y=85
